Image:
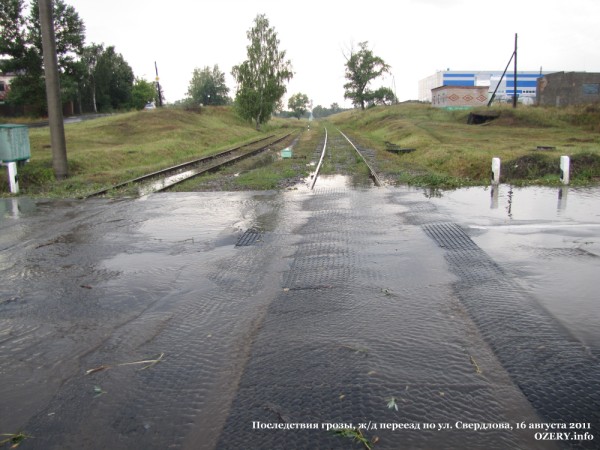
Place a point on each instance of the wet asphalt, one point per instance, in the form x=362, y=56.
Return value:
x=268, y=320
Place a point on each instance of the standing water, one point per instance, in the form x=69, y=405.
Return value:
x=548, y=237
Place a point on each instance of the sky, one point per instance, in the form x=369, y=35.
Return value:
x=415, y=37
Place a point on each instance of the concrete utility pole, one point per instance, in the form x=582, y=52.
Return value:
x=515, y=74
x=158, y=86
x=55, y=116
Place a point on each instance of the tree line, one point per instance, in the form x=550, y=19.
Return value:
x=97, y=78
x=94, y=77
x=262, y=76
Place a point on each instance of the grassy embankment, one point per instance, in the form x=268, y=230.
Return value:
x=268, y=170
x=450, y=153
x=112, y=149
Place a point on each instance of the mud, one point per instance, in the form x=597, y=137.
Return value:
x=338, y=301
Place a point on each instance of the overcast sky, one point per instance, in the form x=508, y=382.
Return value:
x=415, y=37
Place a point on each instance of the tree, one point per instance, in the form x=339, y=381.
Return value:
x=382, y=96
x=207, y=87
x=114, y=80
x=361, y=68
x=298, y=103
x=261, y=78
x=21, y=41
x=319, y=111
x=89, y=60
x=142, y=93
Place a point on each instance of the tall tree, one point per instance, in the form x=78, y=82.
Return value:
x=142, y=93
x=298, y=103
x=208, y=87
x=89, y=58
x=114, y=80
x=362, y=67
x=21, y=41
x=13, y=33
x=261, y=78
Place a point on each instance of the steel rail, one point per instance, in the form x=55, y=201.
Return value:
x=190, y=164
x=312, y=186
x=204, y=170
x=374, y=175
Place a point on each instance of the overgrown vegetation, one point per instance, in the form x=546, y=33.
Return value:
x=451, y=153
x=113, y=149
x=267, y=171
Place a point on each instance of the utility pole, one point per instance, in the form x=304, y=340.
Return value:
x=158, y=85
x=515, y=74
x=55, y=116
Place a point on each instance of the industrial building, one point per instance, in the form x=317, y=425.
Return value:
x=526, y=83
x=568, y=88
x=457, y=97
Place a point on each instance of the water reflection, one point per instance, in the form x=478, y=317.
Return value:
x=166, y=182
x=562, y=198
x=511, y=203
x=433, y=193
x=14, y=207
x=494, y=195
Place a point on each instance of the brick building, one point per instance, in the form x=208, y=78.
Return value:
x=459, y=96
x=568, y=88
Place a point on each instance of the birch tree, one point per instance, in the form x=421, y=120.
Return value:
x=261, y=78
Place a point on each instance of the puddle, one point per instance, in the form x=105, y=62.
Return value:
x=510, y=204
x=342, y=181
x=14, y=208
x=549, y=238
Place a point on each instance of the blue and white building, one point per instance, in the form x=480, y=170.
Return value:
x=526, y=83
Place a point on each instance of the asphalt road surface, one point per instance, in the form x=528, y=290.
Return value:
x=340, y=318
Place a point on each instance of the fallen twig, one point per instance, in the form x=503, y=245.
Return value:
x=149, y=362
x=477, y=369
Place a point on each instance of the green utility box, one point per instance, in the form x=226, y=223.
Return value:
x=286, y=152
x=14, y=143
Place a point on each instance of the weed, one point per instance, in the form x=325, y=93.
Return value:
x=392, y=403
x=356, y=435
x=14, y=440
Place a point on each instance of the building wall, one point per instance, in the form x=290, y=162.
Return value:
x=526, y=83
x=459, y=96
x=568, y=88
x=429, y=83
x=4, y=86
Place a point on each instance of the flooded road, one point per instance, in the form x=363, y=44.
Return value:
x=203, y=320
x=548, y=238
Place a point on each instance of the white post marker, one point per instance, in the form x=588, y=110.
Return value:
x=13, y=178
x=495, y=170
x=565, y=164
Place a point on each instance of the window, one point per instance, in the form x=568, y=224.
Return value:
x=2, y=88
x=591, y=89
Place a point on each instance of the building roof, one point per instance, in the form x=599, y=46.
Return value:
x=460, y=87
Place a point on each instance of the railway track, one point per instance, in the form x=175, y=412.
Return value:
x=372, y=173
x=170, y=176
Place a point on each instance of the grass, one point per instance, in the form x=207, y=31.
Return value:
x=449, y=152
x=267, y=171
x=452, y=153
x=14, y=440
x=112, y=149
